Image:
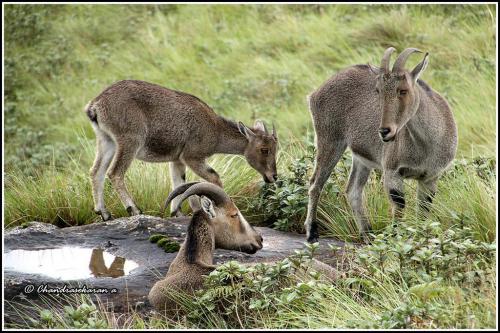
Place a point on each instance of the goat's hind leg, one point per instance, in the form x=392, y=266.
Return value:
x=104, y=154
x=394, y=186
x=124, y=156
x=202, y=169
x=327, y=157
x=357, y=181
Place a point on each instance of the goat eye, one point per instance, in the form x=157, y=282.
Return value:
x=403, y=92
x=377, y=90
x=264, y=151
x=234, y=216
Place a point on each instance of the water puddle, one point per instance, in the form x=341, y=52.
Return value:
x=68, y=263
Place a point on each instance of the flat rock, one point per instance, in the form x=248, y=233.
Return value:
x=128, y=237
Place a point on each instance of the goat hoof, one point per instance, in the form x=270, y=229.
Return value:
x=313, y=238
x=313, y=234
x=133, y=211
x=179, y=214
x=106, y=216
x=367, y=238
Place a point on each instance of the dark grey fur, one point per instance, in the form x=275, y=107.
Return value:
x=349, y=110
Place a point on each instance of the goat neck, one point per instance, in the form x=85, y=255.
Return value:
x=231, y=141
x=418, y=129
x=200, y=240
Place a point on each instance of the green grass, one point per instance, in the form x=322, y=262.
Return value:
x=248, y=62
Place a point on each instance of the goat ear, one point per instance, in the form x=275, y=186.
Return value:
x=275, y=135
x=375, y=70
x=245, y=130
x=208, y=206
x=419, y=69
x=259, y=125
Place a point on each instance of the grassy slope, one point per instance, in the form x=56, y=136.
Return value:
x=247, y=62
x=261, y=61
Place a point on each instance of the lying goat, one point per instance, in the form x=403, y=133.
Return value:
x=218, y=224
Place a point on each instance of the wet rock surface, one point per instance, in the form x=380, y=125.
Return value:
x=128, y=238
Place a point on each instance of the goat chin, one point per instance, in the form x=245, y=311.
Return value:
x=251, y=250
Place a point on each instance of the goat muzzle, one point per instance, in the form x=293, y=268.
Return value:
x=270, y=179
x=252, y=248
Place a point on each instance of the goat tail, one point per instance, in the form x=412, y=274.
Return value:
x=311, y=102
x=91, y=112
x=308, y=98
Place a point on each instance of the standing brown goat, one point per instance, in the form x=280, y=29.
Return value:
x=391, y=121
x=137, y=119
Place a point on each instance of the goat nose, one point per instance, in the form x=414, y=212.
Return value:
x=384, y=131
x=275, y=177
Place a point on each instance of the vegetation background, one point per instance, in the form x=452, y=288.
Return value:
x=251, y=62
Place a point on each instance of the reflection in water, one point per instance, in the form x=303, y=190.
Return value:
x=98, y=267
x=68, y=263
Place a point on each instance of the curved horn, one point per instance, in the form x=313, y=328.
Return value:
x=212, y=191
x=386, y=58
x=177, y=191
x=401, y=60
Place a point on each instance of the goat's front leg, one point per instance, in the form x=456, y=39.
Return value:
x=97, y=265
x=178, y=177
x=394, y=186
x=357, y=181
x=202, y=169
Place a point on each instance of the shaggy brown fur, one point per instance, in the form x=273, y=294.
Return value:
x=219, y=224
x=195, y=259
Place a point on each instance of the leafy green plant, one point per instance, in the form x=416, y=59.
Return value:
x=284, y=203
x=238, y=291
x=436, y=266
x=84, y=316
x=423, y=252
x=483, y=166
